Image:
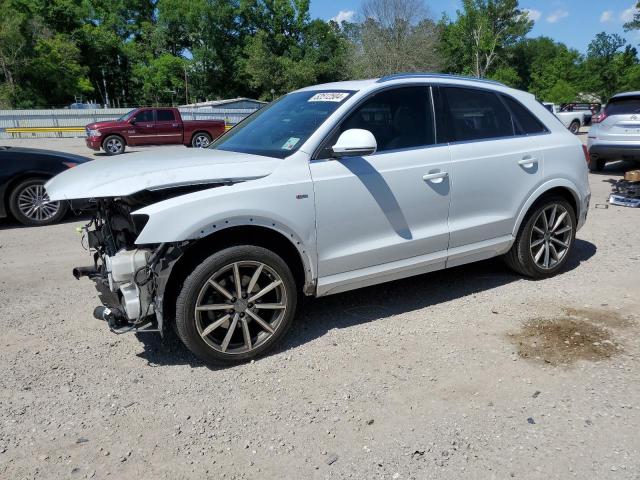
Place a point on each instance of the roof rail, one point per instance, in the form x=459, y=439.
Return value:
x=397, y=76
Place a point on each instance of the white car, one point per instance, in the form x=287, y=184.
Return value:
x=330, y=188
x=615, y=133
x=572, y=119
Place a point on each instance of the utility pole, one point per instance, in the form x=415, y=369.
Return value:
x=186, y=86
x=106, y=92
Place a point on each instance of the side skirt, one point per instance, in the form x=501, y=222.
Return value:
x=343, y=282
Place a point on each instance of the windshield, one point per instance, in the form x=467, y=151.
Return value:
x=281, y=127
x=126, y=115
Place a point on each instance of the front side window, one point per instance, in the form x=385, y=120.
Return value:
x=281, y=127
x=474, y=114
x=398, y=118
x=144, y=116
x=165, y=116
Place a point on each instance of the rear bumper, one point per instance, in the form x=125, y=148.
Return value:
x=613, y=152
x=93, y=142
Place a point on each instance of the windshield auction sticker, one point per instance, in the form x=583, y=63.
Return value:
x=329, y=97
x=289, y=144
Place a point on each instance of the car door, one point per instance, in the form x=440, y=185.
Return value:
x=142, y=130
x=495, y=166
x=168, y=127
x=393, y=205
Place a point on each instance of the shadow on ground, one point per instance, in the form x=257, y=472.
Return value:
x=316, y=316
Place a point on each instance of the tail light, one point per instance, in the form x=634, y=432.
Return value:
x=69, y=164
x=599, y=118
x=587, y=157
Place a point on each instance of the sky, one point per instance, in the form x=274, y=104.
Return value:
x=573, y=22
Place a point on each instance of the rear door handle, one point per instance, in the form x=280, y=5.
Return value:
x=436, y=177
x=528, y=162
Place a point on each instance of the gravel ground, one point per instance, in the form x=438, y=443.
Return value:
x=471, y=372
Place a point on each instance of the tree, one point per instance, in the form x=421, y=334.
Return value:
x=396, y=36
x=482, y=35
x=161, y=81
x=634, y=24
x=284, y=50
x=545, y=66
x=601, y=70
x=12, y=47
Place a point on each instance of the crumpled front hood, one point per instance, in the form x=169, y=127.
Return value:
x=158, y=169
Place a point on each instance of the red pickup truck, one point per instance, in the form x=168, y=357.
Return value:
x=151, y=126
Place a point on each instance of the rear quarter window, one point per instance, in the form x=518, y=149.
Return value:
x=525, y=122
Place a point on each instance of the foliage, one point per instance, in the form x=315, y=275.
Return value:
x=481, y=36
x=125, y=52
x=395, y=36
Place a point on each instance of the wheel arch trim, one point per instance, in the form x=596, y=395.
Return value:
x=557, y=184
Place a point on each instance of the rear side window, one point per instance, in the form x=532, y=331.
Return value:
x=623, y=106
x=475, y=115
x=165, y=116
x=524, y=122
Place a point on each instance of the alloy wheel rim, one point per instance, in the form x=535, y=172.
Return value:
x=114, y=145
x=551, y=236
x=240, y=307
x=201, y=141
x=34, y=204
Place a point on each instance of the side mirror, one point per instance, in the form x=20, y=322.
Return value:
x=132, y=121
x=355, y=142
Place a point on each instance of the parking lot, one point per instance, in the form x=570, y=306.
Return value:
x=471, y=372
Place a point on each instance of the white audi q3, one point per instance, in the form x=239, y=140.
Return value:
x=329, y=188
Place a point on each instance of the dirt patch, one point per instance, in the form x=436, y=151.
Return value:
x=565, y=340
x=607, y=318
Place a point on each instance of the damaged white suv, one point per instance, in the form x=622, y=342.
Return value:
x=327, y=189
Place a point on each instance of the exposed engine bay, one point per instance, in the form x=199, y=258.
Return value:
x=129, y=278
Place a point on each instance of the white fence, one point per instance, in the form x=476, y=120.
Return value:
x=70, y=123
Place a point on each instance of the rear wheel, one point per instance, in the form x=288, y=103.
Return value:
x=29, y=204
x=544, y=240
x=574, y=127
x=200, y=140
x=236, y=305
x=113, y=145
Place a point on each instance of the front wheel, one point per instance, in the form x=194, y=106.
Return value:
x=200, y=140
x=544, y=240
x=236, y=305
x=113, y=145
x=29, y=204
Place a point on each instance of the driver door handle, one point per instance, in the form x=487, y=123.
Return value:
x=436, y=177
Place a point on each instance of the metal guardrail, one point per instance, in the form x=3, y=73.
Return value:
x=70, y=123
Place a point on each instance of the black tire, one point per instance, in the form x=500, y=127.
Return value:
x=597, y=164
x=574, y=127
x=22, y=194
x=201, y=140
x=521, y=259
x=113, y=145
x=187, y=323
